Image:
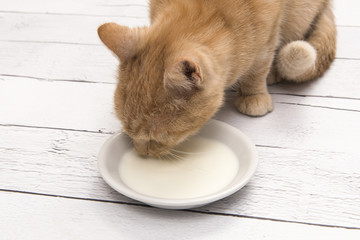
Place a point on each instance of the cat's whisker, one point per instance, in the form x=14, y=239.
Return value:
x=178, y=154
x=177, y=157
x=172, y=155
x=189, y=153
x=166, y=157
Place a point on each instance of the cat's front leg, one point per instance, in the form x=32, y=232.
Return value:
x=254, y=98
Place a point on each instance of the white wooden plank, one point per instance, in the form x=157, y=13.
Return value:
x=346, y=11
x=341, y=80
x=298, y=126
x=58, y=28
x=51, y=61
x=97, y=64
x=319, y=102
x=59, y=218
x=299, y=185
x=347, y=46
x=82, y=29
x=69, y=105
x=87, y=106
x=130, y=8
x=50, y=161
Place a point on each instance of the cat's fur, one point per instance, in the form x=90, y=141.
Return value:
x=173, y=74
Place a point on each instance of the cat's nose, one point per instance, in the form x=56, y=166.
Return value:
x=141, y=147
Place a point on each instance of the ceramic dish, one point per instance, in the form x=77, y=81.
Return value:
x=113, y=149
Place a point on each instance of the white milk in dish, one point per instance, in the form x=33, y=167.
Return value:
x=206, y=167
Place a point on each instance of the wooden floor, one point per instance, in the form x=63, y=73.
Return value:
x=56, y=110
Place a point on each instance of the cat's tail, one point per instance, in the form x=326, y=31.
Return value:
x=300, y=61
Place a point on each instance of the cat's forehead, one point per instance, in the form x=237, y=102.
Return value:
x=143, y=77
x=153, y=56
x=148, y=61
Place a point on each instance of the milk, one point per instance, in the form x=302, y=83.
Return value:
x=207, y=167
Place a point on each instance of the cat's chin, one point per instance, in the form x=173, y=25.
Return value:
x=145, y=151
x=161, y=155
x=158, y=154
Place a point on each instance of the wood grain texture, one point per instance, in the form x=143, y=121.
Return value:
x=130, y=8
x=340, y=81
x=340, y=104
x=96, y=64
x=345, y=11
x=49, y=61
x=83, y=30
x=59, y=218
x=298, y=126
x=346, y=42
x=69, y=105
x=290, y=184
x=58, y=28
x=66, y=105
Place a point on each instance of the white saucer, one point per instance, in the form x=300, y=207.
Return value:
x=112, y=150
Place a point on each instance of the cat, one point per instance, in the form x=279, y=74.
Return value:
x=173, y=73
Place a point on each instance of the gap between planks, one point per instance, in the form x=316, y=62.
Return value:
x=55, y=128
x=309, y=105
x=101, y=45
x=314, y=96
x=111, y=133
x=110, y=15
x=72, y=14
x=123, y=5
x=102, y=132
x=54, y=79
x=186, y=210
x=54, y=42
x=229, y=90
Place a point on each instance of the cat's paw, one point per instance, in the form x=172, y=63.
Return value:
x=255, y=105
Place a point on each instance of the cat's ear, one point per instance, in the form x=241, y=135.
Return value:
x=122, y=40
x=183, y=78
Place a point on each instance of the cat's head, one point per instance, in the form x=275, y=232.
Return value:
x=165, y=91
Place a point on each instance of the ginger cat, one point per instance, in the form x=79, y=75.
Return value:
x=173, y=74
